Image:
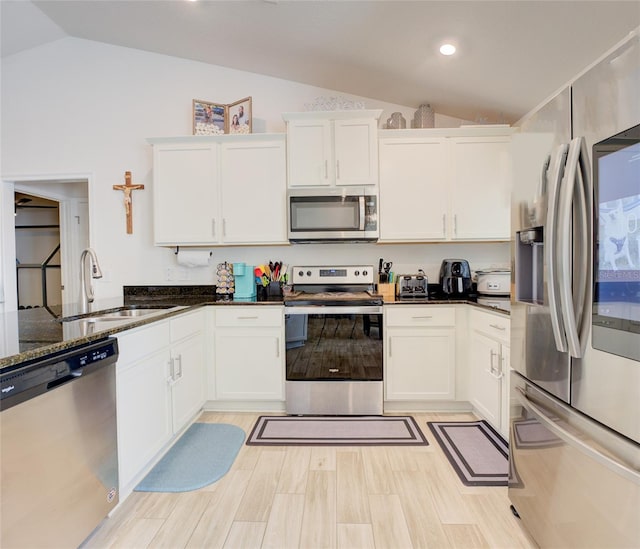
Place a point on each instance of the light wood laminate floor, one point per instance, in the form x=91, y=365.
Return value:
x=317, y=497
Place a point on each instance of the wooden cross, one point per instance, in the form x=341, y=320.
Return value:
x=128, y=204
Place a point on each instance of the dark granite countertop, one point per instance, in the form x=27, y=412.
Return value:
x=30, y=334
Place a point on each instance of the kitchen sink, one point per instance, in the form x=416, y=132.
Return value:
x=120, y=313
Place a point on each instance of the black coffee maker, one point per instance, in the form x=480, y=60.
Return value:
x=455, y=277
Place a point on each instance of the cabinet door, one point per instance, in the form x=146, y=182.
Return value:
x=249, y=364
x=356, y=152
x=505, y=365
x=185, y=194
x=486, y=377
x=413, y=189
x=253, y=185
x=480, y=188
x=144, y=412
x=310, y=153
x=188, y=387
x=420, y=364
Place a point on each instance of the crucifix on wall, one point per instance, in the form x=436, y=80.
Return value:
x=127, y=188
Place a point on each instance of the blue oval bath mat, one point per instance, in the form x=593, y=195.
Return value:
x=202, y=455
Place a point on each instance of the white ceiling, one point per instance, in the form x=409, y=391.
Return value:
x=511, y=54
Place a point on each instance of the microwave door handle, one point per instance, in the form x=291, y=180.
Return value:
x=361, y=202
x=550, y=251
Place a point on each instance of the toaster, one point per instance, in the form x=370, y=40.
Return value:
x=412, y=285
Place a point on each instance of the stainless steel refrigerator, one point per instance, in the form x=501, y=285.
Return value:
x=574, y=407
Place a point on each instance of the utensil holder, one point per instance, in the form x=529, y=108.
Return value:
x=270, y=292
x=387, y=291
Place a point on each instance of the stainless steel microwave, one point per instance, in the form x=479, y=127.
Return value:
x=332, y=214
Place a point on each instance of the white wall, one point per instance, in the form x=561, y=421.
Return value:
x=80, y=107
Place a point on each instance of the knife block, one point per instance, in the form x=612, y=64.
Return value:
x=387, y=291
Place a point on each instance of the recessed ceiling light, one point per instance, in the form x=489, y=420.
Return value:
x=447, y=49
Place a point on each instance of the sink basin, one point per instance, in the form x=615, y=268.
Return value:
x=119, y=314
x=123, y=313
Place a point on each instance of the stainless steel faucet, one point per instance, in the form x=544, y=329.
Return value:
x=86, y=290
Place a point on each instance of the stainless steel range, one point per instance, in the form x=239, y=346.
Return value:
x=333, y=325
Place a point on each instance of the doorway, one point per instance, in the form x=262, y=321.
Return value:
x=37, y=226
x=68, y=199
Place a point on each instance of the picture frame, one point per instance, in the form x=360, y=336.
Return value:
x=209, y=118
x=239, y=116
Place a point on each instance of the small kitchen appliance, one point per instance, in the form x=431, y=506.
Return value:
x=455, y=277
x=245, y=289
x=412, y=286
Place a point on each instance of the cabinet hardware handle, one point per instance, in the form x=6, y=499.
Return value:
x=493, y=374
x=326, y=169
x=498, y=327
x=172, y=369
x=455, y=224
x=424, y=317
x=492, y=355
x=224, y=227
x=179, y=359
x=337, y=169
x=213, y=227
x=389, y=347
x=247, y=317
x=444, y=224
x=277, y=347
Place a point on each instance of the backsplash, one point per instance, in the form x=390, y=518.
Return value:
x=406, y=258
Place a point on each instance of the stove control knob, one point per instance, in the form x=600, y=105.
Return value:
x=364, y=273
x=308, y=273
x=356, y=273
x=300, y=273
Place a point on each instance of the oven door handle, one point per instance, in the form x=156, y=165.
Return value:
x=334, y=310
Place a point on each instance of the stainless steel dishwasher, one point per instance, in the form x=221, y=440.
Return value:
x=58, y=444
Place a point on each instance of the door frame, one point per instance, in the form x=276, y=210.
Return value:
x=71, y=246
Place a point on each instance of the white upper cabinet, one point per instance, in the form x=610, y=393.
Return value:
x=480, y=187
x=185, y=193
x=253, y=192
x=413, y=189
x=211, y=190
x=445, y=184
x=327, y=148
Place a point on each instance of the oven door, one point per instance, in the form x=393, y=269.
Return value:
x=334, y=360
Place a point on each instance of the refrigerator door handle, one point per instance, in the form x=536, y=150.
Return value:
x=585, y=269
x=573, y=193
x=572, y=440
x=550, y=241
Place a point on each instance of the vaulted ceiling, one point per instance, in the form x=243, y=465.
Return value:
x=511, y=55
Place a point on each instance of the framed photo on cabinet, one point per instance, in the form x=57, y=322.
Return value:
x=239, y=116
x=209, y=118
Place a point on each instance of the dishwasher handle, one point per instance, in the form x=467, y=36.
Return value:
x=32, y=378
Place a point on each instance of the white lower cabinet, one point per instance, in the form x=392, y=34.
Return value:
x=160, y=387
x=489, y=367
x=249, y=353
x=187, y=368
x=420, y=345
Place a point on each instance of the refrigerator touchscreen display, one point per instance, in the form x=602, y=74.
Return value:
x=616, y=173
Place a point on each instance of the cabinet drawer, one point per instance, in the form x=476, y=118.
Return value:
x=494, y=325
x=185, y=325
x=241, y=316
x=420, y=316
x=140, y=342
